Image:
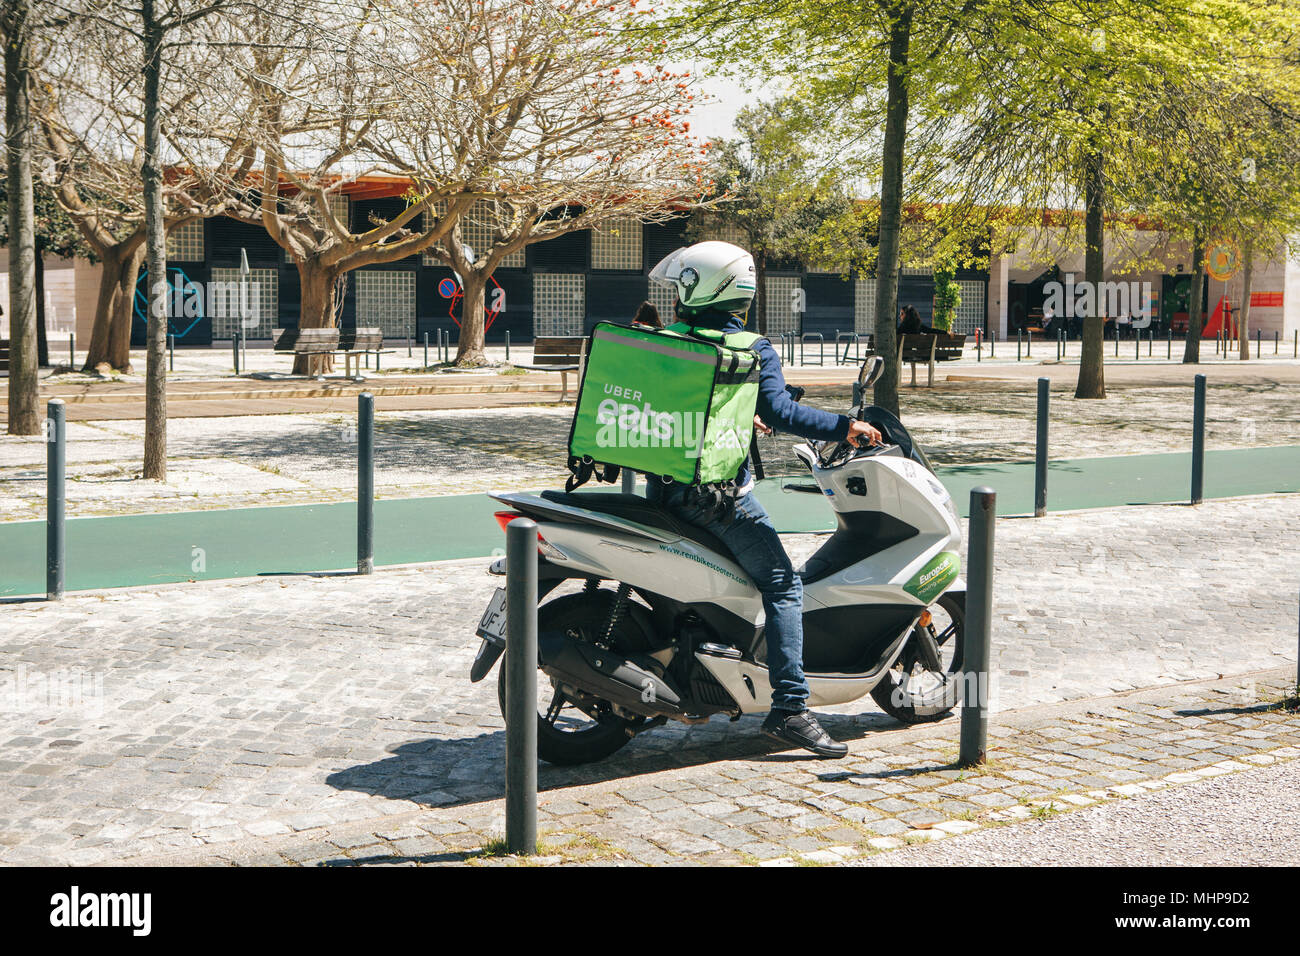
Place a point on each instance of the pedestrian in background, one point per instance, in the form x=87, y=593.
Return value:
x=647, y=314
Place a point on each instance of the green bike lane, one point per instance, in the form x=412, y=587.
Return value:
x=147, y=549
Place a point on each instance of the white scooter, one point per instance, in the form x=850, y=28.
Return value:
x=666, y=625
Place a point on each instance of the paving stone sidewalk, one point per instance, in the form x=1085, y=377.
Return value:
x=188, y=717
x=775, y=809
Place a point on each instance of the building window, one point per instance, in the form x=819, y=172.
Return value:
x=970, y=314
x=386, y=301
x=664, y=298
x=476, y=227
x=223, y=304
x=617, y=244
x=185, y=242
x=781, y=316
x=864, y=304
x=917, y=270
x=559, y=303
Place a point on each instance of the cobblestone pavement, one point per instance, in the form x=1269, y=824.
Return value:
x=140, y=721
x=284, y=459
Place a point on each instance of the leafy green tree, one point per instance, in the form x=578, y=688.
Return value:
x=774, y=188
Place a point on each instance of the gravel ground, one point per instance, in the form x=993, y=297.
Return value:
x=1242, y=819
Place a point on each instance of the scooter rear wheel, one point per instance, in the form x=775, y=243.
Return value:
x=567, y=735
x=913, y=690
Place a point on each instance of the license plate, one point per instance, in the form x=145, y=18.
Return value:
x=492, y=625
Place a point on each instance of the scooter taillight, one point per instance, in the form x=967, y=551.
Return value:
x=546, y=550
x=505, y=517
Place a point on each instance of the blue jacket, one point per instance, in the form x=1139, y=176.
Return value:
x=775, y=406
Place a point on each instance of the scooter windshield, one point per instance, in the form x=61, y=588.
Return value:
x=895, y=434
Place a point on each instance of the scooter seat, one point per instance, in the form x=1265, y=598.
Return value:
x=638, y=509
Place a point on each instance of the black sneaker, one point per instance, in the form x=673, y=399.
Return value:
x=802, y=730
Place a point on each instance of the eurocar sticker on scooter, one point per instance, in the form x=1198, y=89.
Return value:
x=931, y=580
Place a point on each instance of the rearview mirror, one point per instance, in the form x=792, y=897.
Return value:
x=872, y=367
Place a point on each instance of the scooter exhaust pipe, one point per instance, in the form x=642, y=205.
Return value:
x=630, y=682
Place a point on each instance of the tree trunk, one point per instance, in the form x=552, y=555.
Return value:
x=110, y=335
x=1195, y=316
x=1092, y=376
x=24, y=413
x=1243, y=310
x=155, y=381
x=473, y=335
x=891, y=207
x=42, y=337
x=319, y=287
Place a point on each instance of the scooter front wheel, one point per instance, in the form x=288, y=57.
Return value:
x=924, y=684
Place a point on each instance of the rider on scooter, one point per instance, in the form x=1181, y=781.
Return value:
x=715, y=283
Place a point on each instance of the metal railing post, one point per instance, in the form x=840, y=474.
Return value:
x=426, y=350
x=1040, y=451
x=365, y=483
x=1198, y=441
x=56, y=453
x=521, y=686
x=979, y=621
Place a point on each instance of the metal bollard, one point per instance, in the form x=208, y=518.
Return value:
x=56, y=454
x=1137, y=345
x=426, y=350
x=992, y=340
x=1198, y=441
x=979, y=619
x=507, y=345
x=234, y=345
x=1040, y=451
x=365, y=483
x=1029, y=345
x=72, y=350
x=1169, y=352
x=629, y=481
x=1275, y=341
x=521, y=686
x=1256, y=343
x=171, y=353
x=979, y=347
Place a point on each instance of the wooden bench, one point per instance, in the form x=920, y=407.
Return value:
x=352, y=344
x=929, y=348
x=559, y=353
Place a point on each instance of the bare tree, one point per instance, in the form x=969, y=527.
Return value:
x=309, y=87
x=562, y=118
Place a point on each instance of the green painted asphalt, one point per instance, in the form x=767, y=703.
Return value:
x=242, y=542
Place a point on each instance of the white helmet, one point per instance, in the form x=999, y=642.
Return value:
x=709, y=275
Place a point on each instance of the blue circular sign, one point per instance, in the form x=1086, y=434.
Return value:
x=447, y=288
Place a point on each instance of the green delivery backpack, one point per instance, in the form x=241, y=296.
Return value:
x=676, y=403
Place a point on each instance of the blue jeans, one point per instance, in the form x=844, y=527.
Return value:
x=757, y=548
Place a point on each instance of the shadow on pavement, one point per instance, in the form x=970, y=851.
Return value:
x=461, y=771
